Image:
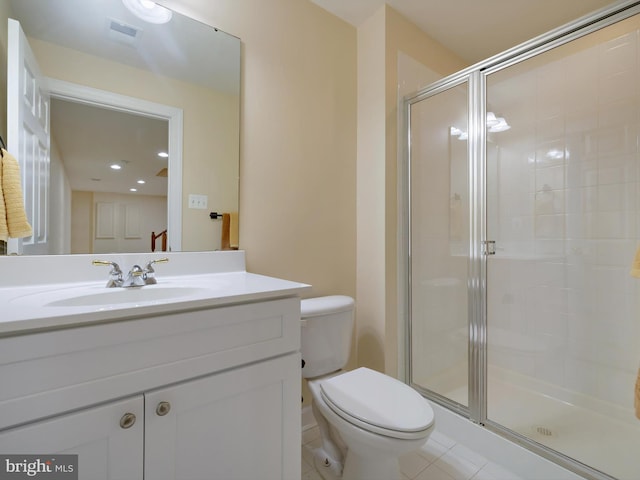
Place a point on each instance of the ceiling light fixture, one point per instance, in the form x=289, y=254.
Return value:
x=116, y=166
x=141, y=182
x=163, y=154
x=148, y=11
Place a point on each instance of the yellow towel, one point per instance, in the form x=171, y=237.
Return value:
x=233, y=230
x=637, y=400
x=635, y=266
x=14, y=215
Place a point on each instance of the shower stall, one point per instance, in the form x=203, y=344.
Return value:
x=523, y=219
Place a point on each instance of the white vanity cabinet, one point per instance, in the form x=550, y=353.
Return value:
x=106, y=450
x=215, y=393
x=227, y=426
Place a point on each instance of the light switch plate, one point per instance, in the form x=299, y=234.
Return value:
x=198, y=201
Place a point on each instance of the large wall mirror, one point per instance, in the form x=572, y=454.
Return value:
x=158, y=100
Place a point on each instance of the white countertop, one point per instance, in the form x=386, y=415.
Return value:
x=26, y=308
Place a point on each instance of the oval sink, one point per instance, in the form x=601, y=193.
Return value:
x=127, y=295
x=101, y=297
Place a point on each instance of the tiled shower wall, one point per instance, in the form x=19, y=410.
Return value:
x=563, y=207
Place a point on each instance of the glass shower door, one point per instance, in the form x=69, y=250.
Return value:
x=439, y=237
x=563, y=199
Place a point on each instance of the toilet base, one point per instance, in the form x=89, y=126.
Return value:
x=355, y=468
x=328, y=469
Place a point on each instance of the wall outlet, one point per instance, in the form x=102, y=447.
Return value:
x=198, y=201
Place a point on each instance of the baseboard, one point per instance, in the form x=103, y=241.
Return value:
x=308, y=421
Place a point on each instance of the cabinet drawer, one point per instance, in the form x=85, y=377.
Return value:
x=51, y=372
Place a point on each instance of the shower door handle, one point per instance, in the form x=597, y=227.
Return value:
x=489, y=247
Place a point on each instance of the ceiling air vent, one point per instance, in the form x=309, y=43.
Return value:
x=122, y=32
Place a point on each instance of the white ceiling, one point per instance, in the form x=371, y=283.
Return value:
x=474, y=29
x=109, y=136
x=90, y=138
x=170, y=49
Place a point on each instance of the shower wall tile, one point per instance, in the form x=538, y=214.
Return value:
x=550, y=273
x=550, y=367
x=616, y=252
x=617, y=86
x=553, y=324
x=567, y=197
x=615, y=141
x=616, y=52
x=613, y=384
x=549, y=247
x=613, y=225
x=619, y=113
x=616, y=197
x=549, y=98
x=550, y=177
x=551, y=132
x=582, y=174
x=580, y=375
x=624, y=360
x=616, y=279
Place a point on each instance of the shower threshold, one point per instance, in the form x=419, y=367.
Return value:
x=602, y=436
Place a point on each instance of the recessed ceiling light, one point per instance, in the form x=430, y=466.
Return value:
x=133, y=189
x=116, y=166
x=141, y=182
x=148, y=11
x=163, y=154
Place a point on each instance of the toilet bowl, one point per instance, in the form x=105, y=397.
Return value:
x=367, y=420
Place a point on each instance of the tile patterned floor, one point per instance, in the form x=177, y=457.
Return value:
x=439, y=459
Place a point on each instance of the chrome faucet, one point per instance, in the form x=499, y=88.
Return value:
x=149, y=274
x=134, y=278
x=137, y=276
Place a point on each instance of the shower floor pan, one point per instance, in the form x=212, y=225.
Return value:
x=601, y=435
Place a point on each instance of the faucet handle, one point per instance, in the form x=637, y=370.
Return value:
x=115, y=275
x=149, y=273
x=148, y=267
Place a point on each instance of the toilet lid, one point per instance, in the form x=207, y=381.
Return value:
x=378, y=403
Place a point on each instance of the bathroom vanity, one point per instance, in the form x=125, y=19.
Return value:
x=198, y=378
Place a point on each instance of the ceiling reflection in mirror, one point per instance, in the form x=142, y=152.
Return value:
x=184, y=65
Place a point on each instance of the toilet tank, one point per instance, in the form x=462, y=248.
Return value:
x=327, y=326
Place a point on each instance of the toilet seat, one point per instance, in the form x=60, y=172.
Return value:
x=378, y=403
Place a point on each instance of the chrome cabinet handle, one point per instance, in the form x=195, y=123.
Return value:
x=163, y=408
x=127, y=420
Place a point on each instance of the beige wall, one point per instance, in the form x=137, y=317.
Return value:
x=152, y=211
x=380, y=39
x=82, y=224
x=298, y=130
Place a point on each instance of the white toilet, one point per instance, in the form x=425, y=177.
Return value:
x=366, y=419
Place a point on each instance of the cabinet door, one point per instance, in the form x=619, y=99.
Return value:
x=237, y=425
x=105, y=449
